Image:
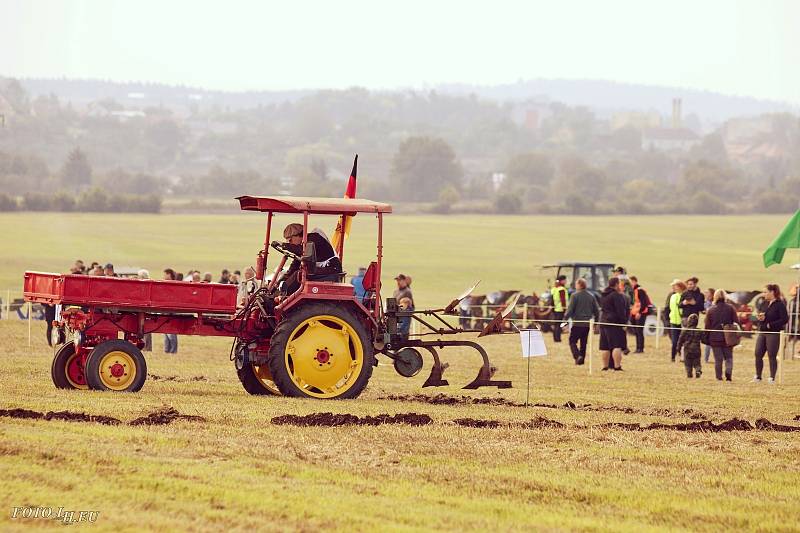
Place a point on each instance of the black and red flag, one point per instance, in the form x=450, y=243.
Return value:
x=343, y=226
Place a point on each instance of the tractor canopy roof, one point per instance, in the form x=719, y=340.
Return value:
x=300, y=204
x=578, y=263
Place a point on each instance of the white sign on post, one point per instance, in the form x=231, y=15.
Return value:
x=532, y=342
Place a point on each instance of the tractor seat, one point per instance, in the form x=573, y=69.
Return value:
x=337, y=277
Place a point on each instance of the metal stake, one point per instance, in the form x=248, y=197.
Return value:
x=591, y=344
x=659, y=327
x=30, y=322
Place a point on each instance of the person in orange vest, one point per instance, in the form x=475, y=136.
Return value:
x=560, y=303
x=639, y=309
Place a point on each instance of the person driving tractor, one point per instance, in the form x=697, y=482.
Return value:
x=328, y=267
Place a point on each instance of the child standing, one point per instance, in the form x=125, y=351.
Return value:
x=404, y=323
x=689, y=340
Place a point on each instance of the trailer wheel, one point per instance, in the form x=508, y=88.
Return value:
x=256, y=379
x=116, y=365
x=66, y=370
x=321, y=351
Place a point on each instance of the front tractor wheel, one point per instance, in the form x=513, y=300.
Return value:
x=116, y=365
x=321, y=351
x=66, y=371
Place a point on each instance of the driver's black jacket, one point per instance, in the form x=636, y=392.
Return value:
x=327, y=261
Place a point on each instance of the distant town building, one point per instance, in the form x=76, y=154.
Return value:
x=639, y=120
x=530, y=115
x=669, y=139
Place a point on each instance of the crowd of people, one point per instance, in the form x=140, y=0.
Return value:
x=624, y=303
x=192, y=276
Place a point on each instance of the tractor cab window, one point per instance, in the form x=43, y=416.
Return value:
x=602, y=275
x=584, y=272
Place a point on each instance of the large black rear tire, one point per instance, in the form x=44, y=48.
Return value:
x=321, y=350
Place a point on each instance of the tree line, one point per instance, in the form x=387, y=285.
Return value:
x=450, y=153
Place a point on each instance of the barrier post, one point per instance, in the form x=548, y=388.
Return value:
x=659, y=327
x=780, y=359
x=590, y=347
x=30, y=322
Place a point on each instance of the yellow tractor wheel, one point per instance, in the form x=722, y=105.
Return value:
x=321, y=351
x=116, y=365
x=66, y=370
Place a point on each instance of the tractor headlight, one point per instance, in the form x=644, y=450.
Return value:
x=77, y=338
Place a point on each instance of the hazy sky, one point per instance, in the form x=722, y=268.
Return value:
x=745, y=48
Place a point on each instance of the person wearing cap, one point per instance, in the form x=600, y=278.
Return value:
x=403, y=289
x=328, y=263
x=560, y=303
x=108, y=271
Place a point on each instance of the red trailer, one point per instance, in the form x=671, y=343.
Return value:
x=316, y=341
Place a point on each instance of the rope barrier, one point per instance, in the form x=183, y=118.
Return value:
x=661, y=326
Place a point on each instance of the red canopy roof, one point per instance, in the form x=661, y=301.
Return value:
x=299, y=204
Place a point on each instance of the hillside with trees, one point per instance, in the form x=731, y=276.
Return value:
x=133, y=146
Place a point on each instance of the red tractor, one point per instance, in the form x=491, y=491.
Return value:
x=317, y=340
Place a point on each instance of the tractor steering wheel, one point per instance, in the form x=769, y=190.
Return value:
x=280, y=248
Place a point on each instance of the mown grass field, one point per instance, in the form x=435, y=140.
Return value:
x=238, y=471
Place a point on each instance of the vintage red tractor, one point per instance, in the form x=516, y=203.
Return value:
x=316, y=340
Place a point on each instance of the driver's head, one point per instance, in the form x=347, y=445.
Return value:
x=293, y=233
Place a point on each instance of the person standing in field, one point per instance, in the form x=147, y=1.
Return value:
x=403, y=289
x=692, y=299
x=614, y=310
x=49, y=317
x=148, y=337
x=170, y=339
x=673, y=311
x=770, y=323
x=721, y=314
x=639, y=309
x=709, y=298
x=689, y=340
x=582, y=308
x=357, y=282
x=560, y=303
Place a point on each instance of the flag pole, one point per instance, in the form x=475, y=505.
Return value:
x=528, y=391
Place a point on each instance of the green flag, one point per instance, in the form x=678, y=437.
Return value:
x=788, y=238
